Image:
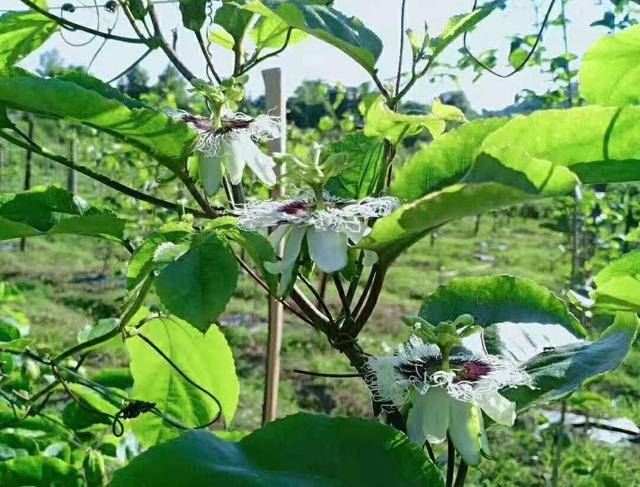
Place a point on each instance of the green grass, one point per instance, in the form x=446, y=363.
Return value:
x=69, y=283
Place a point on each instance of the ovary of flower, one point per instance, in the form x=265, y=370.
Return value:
x=447, y=402
x=233, y=143
x=327, y=231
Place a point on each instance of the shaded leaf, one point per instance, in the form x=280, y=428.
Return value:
x=233, y=20
x=193, y=13
x=198, y=285
x=358, y=180
x=318, y=19
x=312, y=450
x=39, y=471
x=54, y=211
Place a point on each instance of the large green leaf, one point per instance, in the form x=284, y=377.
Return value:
x=618, y=285
x=302, y=450
x=54, y=211
x=39, y=471
x=200, y=283
x=272, y=33
x=88, y=100
x=318, y=19
x=555, y=150
x=610, y=72
x=498, y=299
x=206, y=359
x=460, y=24
x=444, y=161
x=598, y=144
x=358, y=180
x=22, y=33
x=558, y=371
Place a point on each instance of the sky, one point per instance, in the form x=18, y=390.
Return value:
x=313, y=59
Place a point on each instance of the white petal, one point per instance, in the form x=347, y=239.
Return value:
x=465, y=430
x=499, y=408
x=261, y=164
x=370, y=258
x=232, y=154
x=277, y=235
x=328, y=249
x=429, y=416
x=289, y=258
x=210, y=174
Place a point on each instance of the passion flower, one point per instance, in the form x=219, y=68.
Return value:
x=329, y=228
x=232, y=144
x=448, y=397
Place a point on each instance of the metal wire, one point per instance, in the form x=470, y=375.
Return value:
x=77, y=7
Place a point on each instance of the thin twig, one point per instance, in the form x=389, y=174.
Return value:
x=462, y=474
x=132, y=66
x=33, y=146
x=207, y=58
x=73, y=26
x=400, y=55
x=258, y=60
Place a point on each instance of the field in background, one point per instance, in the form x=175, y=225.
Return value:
x=69, y=283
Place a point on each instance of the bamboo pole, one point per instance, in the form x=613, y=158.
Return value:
x=276, y=107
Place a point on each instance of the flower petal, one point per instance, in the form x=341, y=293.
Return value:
x=286, y=266
x=210, y=168
x=261, y=164
x=234, y=159
x=429, y=417
x=328, y=249
x=499, y=408
x=466, y=430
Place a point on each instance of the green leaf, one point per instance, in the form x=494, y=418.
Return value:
x=198, y=285
x=39, y=471
x=54, y=211
x=598, y=144
x=381, y=121
x=21, y=33
x=556, y=149
x=143, y=261
x=271, y=33
x=302, y=450
x=359, y=178
x=258, y=248
x=221, y=38
x=444, y=161
x=318, y=19
x=138, y=8
x=610, y=72
x=193, y=13
x=234, y=20
x=618, y=285
x=88, y=100
x=498, y=299
x=559, y=371
x=459, y=24
x=206, y=359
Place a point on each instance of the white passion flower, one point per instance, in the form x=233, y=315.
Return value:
x=232, y=144
x=328, y=230
x=448, y=402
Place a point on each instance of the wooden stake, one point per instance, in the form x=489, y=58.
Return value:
x=276, y=107
x=72, y=182
x=27, y=172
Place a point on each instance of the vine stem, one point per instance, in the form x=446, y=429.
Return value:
x=461, y=476
x=451, y=462
x=401, y=53
x=206, y=56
